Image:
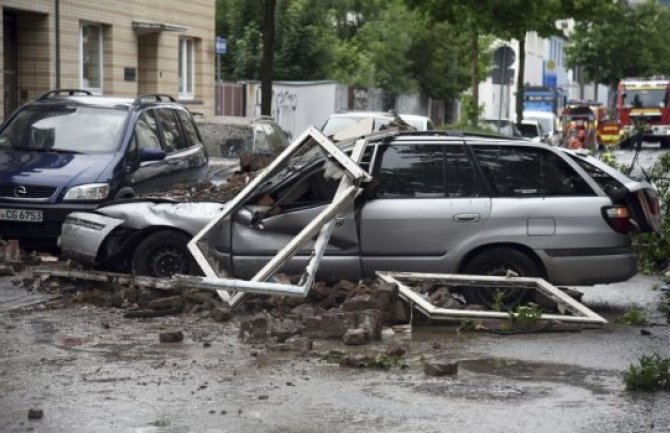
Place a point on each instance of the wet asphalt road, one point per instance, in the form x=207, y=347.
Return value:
x=90, y=370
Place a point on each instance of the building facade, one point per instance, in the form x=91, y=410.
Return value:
x=545, y=66
x=120, y=48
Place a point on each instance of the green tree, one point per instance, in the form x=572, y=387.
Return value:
x=362, y=42
x=305, y=40
x=240, y=22
x=622, y=41
x=471, y=24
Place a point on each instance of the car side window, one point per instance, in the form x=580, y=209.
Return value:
x=604, y=180
x=514, y=171
x=460, y=177
x=146, y=131
x=189, y=128
x=425, y=171
x=174, y=139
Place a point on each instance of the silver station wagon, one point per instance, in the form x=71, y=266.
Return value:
x=438, y=202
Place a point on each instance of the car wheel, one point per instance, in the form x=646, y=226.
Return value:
x=163, y=254
x=499, y=262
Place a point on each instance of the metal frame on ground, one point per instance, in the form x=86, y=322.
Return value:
x=323, y=224
x=580, y=313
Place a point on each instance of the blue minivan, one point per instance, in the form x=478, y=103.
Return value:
x=70, y=150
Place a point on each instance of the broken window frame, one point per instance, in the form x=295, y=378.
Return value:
x=581, y=314
x=323, y=224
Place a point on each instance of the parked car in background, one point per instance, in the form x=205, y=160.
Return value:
x=503, y=127
x=532, y=130
x=421, y=123
x=437, y=203
x=240, y=143
x=376, y=121
x=550, y=124
x=71, y=151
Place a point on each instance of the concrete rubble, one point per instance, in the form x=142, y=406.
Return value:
x=355, y=313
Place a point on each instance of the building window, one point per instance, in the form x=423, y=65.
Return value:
x=91, y=58
x=186, y=68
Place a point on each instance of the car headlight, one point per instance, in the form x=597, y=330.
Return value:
x=90, y=191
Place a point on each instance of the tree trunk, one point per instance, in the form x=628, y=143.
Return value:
x=474, y=52
x=519, y=81
x=268, y=53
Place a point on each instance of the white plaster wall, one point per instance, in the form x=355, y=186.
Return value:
x=296, y=105
x=412, y=103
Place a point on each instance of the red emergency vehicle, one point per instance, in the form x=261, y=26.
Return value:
x=645, y=101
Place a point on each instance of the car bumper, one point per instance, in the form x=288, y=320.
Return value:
x=45, y=232
x=601, y=267
x=83, y=235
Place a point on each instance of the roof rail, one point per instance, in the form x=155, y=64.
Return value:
x=153, y=97
x=69, y=92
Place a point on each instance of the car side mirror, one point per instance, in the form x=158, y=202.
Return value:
x=151, y=154
x=249, y=216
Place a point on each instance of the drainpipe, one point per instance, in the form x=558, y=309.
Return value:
x=57, y=28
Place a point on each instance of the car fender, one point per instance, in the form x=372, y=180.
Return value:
x=84, y=233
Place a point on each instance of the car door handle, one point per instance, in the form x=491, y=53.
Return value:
x=466, y=217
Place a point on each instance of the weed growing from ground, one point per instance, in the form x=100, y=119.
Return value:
x=525, y=316
x=634, y=316
x=653, y=374
x=653, y=251
x=664, y=306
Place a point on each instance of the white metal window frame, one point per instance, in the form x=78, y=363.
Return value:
x=187, y=69
x=95, y=90
x=323, y=226
x=572, y=311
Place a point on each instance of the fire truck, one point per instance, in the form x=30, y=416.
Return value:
x=644, y=102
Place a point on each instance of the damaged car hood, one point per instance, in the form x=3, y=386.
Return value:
x=190, y=217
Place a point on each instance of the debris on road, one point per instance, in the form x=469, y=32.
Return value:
x=171, y=337
x=35, y=414
x=440, y=368
x=207, y=191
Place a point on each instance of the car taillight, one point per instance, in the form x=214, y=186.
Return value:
x=618, y=218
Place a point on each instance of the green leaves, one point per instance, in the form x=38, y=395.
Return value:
x=622, y=41
x=653, y=374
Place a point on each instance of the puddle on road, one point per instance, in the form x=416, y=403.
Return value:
x=539, y=371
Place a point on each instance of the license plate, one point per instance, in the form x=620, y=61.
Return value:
x=23, y=215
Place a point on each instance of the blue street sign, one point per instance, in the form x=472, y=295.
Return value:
x=221, y=45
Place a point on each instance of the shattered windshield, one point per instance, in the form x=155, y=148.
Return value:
x=65, y=128
x=304, y=157
x=310, y=155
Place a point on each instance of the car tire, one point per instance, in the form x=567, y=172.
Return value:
x=163, y=254
x=499, y=261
